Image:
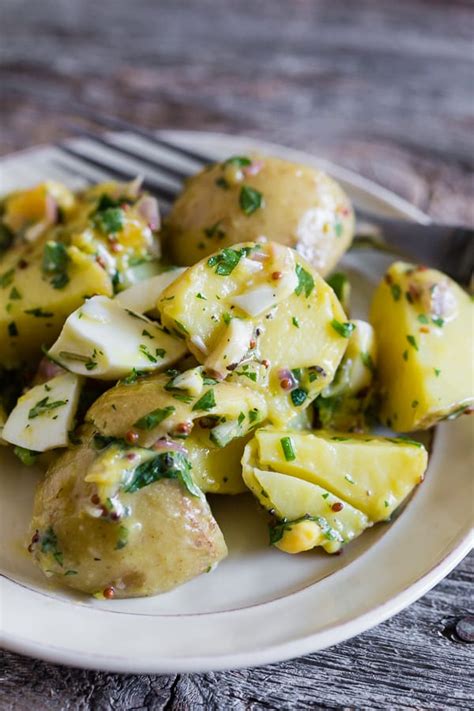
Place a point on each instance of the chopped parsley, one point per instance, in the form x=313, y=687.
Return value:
x=423, y=318
x=247, y=374
x=206, y=402
x=122, y=538
x=343, y=329
x=222, y=183
x=12, y=329
x=55, y=264
x=305, y=281
x=14, y=294
x=182, y=397
x=437, y=372
x=412, y=341
x=288, y=450
x=226, y=260
x=250, y=200
x=132, y=376
x=154, y=418
x=6, y=278
x=254, y=415
x=43, y=406
x=26, y=456
x=39, y=313
x=200, y=296
x=295, y=322
x=110, y=220
x=147, y=334
x=181, y=326
x=238, y=161
x=49, y=544
x=168, y=465
x=144, y=350
x=338, y=229
x=396, y=291
x=438, y=322
x=339, y=283
x=298, y=396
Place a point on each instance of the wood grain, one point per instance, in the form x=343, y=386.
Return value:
x=382, y=87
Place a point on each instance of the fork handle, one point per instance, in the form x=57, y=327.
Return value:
x=445, y=247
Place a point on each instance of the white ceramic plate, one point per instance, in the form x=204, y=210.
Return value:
x=260, y=606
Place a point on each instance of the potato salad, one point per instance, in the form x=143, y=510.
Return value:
x=148, y=366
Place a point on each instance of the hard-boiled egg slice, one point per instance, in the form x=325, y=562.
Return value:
x=43, y=416
x=142, y=297
x=104, y=340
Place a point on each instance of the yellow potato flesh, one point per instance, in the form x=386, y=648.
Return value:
x=290, y=499
x=300, y=207
x=374, y=474
x=426, y=355
x=296, y=333
x=216, y=470
x=23, y=288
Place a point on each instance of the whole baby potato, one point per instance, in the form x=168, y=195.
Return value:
x=247, y=198
x=100, y=529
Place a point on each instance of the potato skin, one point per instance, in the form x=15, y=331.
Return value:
x=301, y=207
x=172, y=536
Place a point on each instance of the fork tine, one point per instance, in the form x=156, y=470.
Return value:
x=121, y=150
x=150, y=184
x=120, y=124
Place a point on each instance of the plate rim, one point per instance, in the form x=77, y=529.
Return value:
x=272, y=654
x=334, y=633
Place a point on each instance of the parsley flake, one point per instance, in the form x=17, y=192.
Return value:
x=43, y=406
x=154, y=418
x=305, y=281
x=288, y=450
x=250, y=200
x=206, y=402
x=343, y=329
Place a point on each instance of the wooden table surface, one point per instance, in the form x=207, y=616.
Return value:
x=383, y=87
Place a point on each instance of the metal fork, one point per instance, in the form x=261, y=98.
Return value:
x=445, y=247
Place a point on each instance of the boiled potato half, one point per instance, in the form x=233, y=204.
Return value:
x=56, y=249
x=246, y=198
x=118, y=521
x=163, y=405
x=423, y=324
x=307, y=515
x=372, y=473
x=260, y=315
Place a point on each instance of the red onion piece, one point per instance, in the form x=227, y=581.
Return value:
x=168, y=445
x=258, y=256
x=285, y=374
x=147, y=208
x=50, y=209
x=254, y=168
x=47, y=370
